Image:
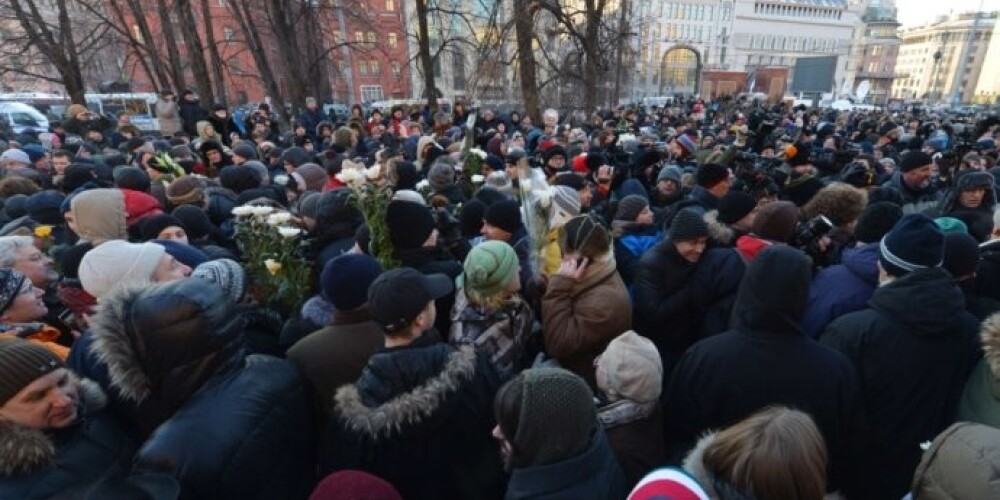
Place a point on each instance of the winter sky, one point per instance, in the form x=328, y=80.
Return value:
x=916, y=12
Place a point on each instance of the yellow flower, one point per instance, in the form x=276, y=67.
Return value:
x=272, y=266
x=43, y=231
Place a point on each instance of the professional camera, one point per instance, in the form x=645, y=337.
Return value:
x=808, y=234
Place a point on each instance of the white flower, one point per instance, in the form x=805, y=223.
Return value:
x=350, y=176
x=374, y=172
x=279, y=218
x=478, y=179
x=288, y=231
x=242, y=211
x=478, y=152
x=545, y=198
x=423, y=184
x=261, y=211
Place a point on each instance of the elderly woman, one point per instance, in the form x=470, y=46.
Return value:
x=54, y=437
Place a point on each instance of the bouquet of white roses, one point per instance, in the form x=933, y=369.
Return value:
x=371, y=194
x=270, y=246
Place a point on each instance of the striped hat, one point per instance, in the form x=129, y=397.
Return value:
x=21, y=363
x=915, y=242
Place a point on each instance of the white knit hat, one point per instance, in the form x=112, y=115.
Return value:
x=118, y=263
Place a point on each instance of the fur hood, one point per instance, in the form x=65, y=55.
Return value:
x=24, y=450
x=407, y=409
x=990, y=336
x=718, y=231
x=694, y=464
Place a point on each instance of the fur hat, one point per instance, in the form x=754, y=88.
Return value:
x=584, y=236
x=117, y=263
x=630, y=368
x=710, y=174
x=915, y=242
x=776, y=221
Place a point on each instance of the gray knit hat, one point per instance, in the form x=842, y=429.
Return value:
x=630, y=207
x=245, y=150
x=227, y=274
x=557, y=419
x=441, y=176
x=21, y=363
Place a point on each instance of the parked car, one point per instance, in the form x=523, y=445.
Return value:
x=20, y=117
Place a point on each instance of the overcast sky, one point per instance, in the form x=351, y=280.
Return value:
x=915, y=12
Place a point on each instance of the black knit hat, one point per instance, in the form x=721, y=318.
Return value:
x=688, y=224
x=915, y=242
x=961, y=254
x=150, y=227
x=505, y=215
x=557, y=417
x=195, y=222
x=711, y=174
x=877, y=220
x=239, y=178
x=798, y=154
x=914, y=160
x=133, y=178
x=245, y=150
x=887, y=127
x=630, y=207
x=734, y=206
x=471, y=218
x=21, y=363
x=410, y=224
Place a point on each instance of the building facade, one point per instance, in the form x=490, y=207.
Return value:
x=930, y=58
x=874, y=52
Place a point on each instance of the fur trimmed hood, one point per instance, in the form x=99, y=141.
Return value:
x=718, y=231
x=989, y=333
x=24, y=450
x=408, y=409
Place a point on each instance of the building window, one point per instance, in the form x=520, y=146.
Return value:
x=393, y=42
x=363, y=67
x=396, y=70
x=390, y=5
x=227, y=33
x=371, y=38
x=458, y=68
x=374, y=67
x=359, y=37
x=370, y=93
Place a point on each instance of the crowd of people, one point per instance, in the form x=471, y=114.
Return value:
x=727, y=300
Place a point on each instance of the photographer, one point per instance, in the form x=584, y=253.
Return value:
x=80, y=120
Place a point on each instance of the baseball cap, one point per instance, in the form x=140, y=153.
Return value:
x=398, y=296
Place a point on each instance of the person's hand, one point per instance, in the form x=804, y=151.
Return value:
x=573, y=267
x=604, y=174
x=824, y=244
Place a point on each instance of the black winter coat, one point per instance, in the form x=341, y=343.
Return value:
x=420, y=417
x=434, y=260
x=988, y=275
x=592, y=475
x=913, y=351
x=765, y=359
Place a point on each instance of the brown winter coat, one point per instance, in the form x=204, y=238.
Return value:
x=335, y=356
x=580, y=318
x=170, y=119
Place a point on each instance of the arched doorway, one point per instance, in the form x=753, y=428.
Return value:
x=679, y=71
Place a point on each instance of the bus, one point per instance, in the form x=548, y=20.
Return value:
x=53, y=106
x=138, y=106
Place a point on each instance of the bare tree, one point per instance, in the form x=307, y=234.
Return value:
x=48, y=34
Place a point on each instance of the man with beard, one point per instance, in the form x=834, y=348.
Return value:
x=913, y=182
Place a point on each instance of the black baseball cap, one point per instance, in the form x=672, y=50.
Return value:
x=398, y=296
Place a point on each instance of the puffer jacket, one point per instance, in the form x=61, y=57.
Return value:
x=914, y=201
x=631, y=240
x=980, y=401
x=841, y=289
x=225, y=425
x=38, y=463
x=963, y=463
x=915, y=339
x=420, y=417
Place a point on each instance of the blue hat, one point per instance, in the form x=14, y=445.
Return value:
x=914, y=243
x=345, y=280
x=35, y=152
x=185, y=254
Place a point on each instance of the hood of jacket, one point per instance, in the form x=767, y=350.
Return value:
x=774, y=292
x=749, y=246
x=966, y=181
x=165, y=341
x=718, y=231
x=99, y=215
x=925, y=302
x=990, y=336
x=862, y=261
x=961, y=464
x=405, y=390
x=24, y=449
x=593, y=474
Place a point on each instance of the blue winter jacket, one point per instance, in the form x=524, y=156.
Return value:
x=843, y=288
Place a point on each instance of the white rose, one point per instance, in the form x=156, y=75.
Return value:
x=424, y=184
x=480, y=153
x=242, y=211
x=279, y=218
x=288, y=232
x=261, y=211
x=374, y=172
x=349, y=175
x=478, y=179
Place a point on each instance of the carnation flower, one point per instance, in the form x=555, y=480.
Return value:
x=374, y=172
x=478, y=179
x=242, y=211
x=423, y=184
x=288, y=231
x=261, y=211
x=279, y=218
x=350, y=176
x=478, y=152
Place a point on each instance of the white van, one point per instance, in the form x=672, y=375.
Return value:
x=21, y=117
